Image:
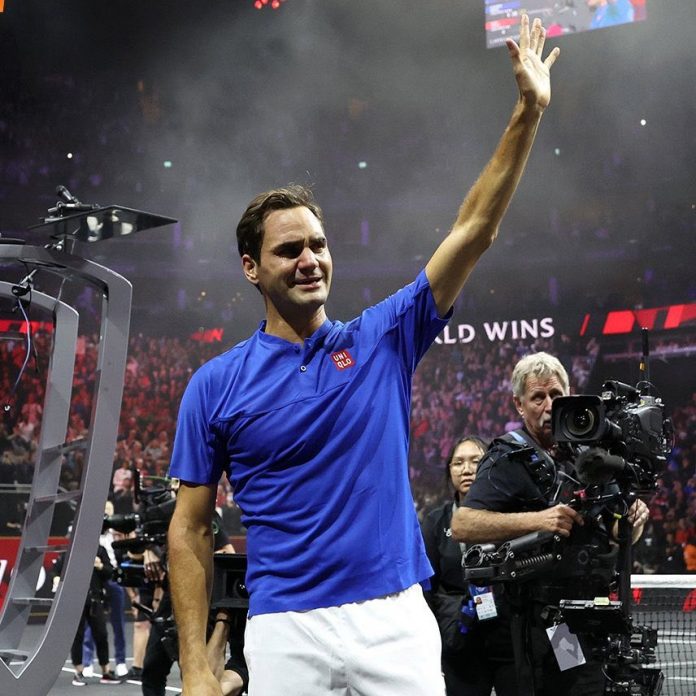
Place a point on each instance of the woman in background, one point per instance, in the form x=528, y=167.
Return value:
x=469, y=646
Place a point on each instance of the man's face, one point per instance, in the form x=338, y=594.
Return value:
x=535, y=406
x=295, y=266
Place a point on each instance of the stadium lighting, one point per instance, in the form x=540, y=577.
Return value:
x=273, y=4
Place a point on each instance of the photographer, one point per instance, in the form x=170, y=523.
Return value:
x=524, y=485
x=93, y=614
x=115, y=604
x=161, y=651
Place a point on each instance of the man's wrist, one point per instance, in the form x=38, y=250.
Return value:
x=528, y=111
x=194, y=661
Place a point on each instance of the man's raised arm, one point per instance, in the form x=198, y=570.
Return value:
x=190, y=544
x=483, y=208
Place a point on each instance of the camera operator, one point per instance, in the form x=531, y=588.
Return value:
x=161, y=650
x=524, y=485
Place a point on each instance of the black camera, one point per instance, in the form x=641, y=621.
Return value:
x=150, y=526
x=157, y=508
x=229, y=581
x=624, y=433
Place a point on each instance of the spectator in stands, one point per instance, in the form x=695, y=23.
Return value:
x=123, y=477
x=685, y=530
x=158, y=447
x=673, y=557
x=21, y=443
x=231, y=516
x=122, y=483
x=690, y=555
x=7, y=468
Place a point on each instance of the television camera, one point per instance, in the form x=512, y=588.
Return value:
x=624, y=431
x=618, y=443
x=150, y=526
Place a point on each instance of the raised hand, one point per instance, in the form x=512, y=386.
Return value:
x=531, y=72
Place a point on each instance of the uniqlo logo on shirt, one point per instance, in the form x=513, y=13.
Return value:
x=342, y=359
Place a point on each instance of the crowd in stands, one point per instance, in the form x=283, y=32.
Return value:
x=669, y=543
x=459, y=388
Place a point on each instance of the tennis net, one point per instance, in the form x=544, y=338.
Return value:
x=668, y=603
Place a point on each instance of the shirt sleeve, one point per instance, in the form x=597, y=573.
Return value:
x=412, y=314
x=197, y=453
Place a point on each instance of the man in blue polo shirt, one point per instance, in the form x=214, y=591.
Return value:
x=309, y=420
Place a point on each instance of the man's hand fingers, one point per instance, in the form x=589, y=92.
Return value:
x=639, y=513
x=562, y=518
x=563, y=528
x=524, y=33
x=574, y=515
x=534, y=36
x=551, y=58
x=540, y=37
x=513, y=48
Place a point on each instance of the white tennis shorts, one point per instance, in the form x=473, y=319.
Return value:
x=388, y=646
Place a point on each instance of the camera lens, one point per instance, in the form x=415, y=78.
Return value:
x=580, y=422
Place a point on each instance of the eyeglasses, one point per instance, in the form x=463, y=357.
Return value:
x=464, y=464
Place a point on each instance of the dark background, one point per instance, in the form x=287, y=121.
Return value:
x=240, y=100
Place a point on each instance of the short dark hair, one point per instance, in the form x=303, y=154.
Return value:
x=250, y=227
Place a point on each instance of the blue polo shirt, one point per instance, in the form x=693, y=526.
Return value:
x=314, y=439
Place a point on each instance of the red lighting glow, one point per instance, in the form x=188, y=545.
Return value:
x=260, y=4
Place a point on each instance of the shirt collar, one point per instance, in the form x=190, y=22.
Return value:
x=318, y=335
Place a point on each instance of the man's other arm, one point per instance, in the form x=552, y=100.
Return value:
x=190, y=543
x=474, y=526
x=479, y=217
